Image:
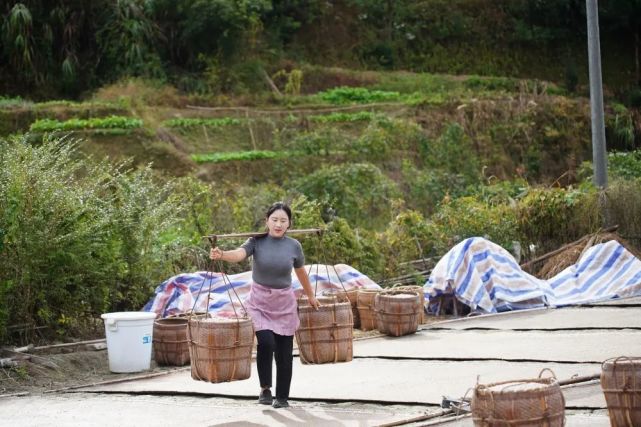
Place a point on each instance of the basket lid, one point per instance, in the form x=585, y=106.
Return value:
x=622, y=363
x=518, y=386
x=219, y=319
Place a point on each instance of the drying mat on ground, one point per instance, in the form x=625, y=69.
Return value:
x=367, y=380
x=550, y=319
x=560, y=346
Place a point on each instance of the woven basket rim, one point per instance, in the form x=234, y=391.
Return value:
x=397, y=291
x=172, y=321
x=547, y=381
x=215, y=319
x=621, y=361
x=325, y=307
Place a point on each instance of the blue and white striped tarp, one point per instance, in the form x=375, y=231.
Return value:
x=208, y=291
x=486, y=277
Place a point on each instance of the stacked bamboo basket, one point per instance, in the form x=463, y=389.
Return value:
x=398, y=311
x=621, y=384
x=220, y=348
x=365, y=307
x=524, y=403
x=325, y=335
x=170, y=343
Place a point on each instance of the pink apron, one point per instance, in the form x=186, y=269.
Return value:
x=273, y=309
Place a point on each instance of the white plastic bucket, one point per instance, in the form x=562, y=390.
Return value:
x=129, y=338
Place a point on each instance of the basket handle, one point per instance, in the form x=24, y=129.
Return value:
x=549, y=370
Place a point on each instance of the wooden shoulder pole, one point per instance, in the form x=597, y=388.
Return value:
x=215, y=237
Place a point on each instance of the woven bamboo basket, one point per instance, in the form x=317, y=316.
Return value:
x=350, y=296
x=397, y=312
x=325, y=335
x=523, y=403
x=365, y=307
x=621, y=384
x=220, y=348
x=419, y=290
x=171, y=346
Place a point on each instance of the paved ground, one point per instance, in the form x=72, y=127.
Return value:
x=96, y=410
x=366, y=380
x=410, y=373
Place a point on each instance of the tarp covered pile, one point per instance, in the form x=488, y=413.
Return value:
x=488, y=279
x=479, y=273
x=184, y=292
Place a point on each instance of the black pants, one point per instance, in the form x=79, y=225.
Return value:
x=270, y=346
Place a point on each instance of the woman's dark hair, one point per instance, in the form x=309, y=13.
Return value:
x=279, y=206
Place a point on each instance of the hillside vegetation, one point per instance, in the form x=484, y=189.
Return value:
x=163, y=139
x=49, y=48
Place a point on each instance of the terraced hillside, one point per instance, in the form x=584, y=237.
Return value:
x=395, y=167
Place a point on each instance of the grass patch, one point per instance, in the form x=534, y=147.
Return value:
x=188, y=122
x=17, y=102
x=111, y=122
x=357, y=95
x=409, y=83
x=239, y=155
x=492, y=84
x=343, y=117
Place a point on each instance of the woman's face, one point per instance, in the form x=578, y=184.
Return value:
x=278, y=223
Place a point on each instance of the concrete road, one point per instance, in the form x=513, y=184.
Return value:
x=390, y=379
x=97, y=410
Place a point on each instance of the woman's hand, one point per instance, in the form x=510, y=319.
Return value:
x=216, y=253
x=313, y=302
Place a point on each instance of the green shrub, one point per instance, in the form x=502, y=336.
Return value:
x=374, y=144
x=620, y=128
x=78, y=237
x=626, y=165
x=454, y=153
x=621, y=164
x=408, y=237
x=501, y=192
x=425, y=188
x=551, y=217
x=468, y=216
x=319, y=143
x=622, y=207
x=55, y=237
x=358, y=192
x=141, y=211
x=249, y=204
x=341, y=244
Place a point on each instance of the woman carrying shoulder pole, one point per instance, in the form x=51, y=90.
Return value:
x=271, y=303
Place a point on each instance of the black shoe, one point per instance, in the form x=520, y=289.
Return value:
x=265, y=397
x=280, y=403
